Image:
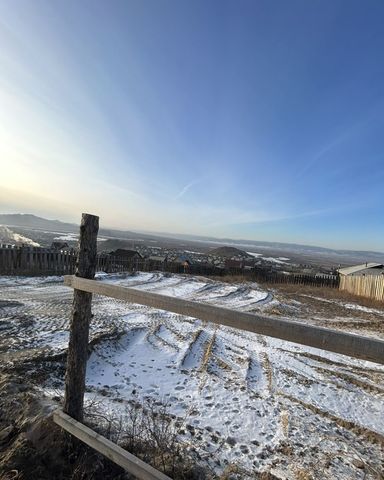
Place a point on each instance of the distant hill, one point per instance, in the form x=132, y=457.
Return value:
x=27, y=220
x=298, y=253
x=228, y=252
x=279, y=248
x=32, y=221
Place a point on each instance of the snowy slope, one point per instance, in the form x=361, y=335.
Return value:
x=258, y=402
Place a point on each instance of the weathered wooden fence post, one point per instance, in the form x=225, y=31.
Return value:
x=81, y=316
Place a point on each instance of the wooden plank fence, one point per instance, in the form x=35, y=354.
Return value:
x=25, y=260
x=370, y=286
x=22, y=260
x=313, y=280
x=43, y=261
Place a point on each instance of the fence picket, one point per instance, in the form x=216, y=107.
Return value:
x=370, y=286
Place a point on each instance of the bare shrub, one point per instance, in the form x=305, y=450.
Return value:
x=148, y=430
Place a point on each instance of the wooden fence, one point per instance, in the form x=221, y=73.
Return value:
x=254, y=274
x=25, y=260
x=44, y=261
x=318, y=280
x=36, y=261
x=370, y=286
x=110, y=264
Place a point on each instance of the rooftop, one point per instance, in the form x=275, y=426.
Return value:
x=358, y=268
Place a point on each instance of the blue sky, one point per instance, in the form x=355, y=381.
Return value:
x=248, y=119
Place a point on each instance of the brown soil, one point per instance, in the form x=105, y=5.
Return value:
x=35, y=448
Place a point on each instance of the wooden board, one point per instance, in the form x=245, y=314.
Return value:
x=326, y=339
x=116, y=454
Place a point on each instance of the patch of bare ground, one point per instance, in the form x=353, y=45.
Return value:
x=328, y=307
x=326, y=294
x=230, y=278
x=29, y=443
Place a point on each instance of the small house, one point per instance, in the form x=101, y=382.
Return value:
x=60, y=246
x=126, y=254
x=368, y=268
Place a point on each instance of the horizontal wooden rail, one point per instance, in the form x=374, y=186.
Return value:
x=116, y=454
x=326, y=339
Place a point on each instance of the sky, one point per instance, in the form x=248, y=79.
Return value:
x=254, y=119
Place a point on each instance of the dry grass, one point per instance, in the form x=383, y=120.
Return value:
x=302, y=474
x=231, y=278
x=284, y=417
x=327, y=294
x=268, y=370
x=207, y=352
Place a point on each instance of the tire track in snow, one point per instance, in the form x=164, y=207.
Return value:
x=194, y=354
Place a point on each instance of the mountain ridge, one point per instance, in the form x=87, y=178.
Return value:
x=35, y=222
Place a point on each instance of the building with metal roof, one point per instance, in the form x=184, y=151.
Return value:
x=368, y=268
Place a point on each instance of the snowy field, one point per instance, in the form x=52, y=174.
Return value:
x=249, y=400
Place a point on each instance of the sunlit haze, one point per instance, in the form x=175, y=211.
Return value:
x=252, y=119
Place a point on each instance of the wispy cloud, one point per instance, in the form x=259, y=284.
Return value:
x=185, y=189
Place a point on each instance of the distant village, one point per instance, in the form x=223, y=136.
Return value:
x=166, y=255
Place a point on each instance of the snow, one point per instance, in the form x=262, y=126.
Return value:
x=259, y=391
x=8, y=236
x=280, y=260
x=355, y=306
x=73, y=237
x=67, y=237
x=14, y=281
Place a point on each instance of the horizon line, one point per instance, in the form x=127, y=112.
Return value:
x=206, y=237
